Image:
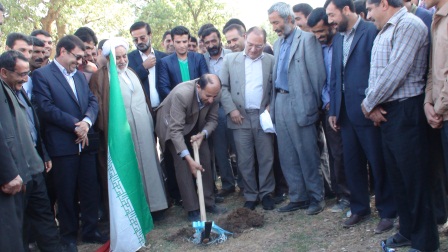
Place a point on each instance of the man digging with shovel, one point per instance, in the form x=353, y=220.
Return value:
x=187, y=115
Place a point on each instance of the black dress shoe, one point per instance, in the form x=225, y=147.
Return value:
x=294, y=206
x=215, y=209
x=218, y=199
x=279, y=198
x=194, y=216
x=355, y=219
x=224, y=193
x=316, y=207
x=267, y=202
x=250, y=205
x=69, y=247
x=96, y=237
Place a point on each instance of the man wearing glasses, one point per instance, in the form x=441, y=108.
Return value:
x=68, y=109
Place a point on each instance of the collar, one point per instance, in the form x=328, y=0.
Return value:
x=413, y=9
x=327, y=46
x=141, y=53
x=201, y=105
x=354, y=28
x=396, y=17
x=63, y=70
x=443, y=11
x=258, y=58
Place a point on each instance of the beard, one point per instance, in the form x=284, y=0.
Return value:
x=143, y=47
x=214, y=50
x=121, y=68
x=287, y=30
x=343, y=25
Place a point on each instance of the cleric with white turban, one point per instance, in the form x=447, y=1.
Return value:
x=139, y=119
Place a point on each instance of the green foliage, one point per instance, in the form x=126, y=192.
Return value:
x=61, y=17
x=163, y=15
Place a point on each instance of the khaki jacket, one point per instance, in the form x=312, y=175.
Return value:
x=437, y=85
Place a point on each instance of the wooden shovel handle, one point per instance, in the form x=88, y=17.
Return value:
x=199, y=183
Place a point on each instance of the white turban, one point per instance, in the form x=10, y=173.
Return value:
x=114, y=43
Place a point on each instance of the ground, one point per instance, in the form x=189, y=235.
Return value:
x=294, y=231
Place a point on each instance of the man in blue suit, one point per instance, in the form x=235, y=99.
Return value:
x=182, y=65
x=361, y=140
x=68, y=109
x=144, y=61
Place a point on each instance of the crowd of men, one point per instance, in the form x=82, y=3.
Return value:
x=357, y=92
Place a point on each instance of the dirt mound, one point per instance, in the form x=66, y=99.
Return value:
x=181, y=234
x=241, y=219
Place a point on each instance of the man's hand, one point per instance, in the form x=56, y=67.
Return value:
x=332, y=121
x=435, y=120
x=193, y=165
x=377, y=115
x=364, y=111
x=48, y=166
x=150, y=61
x=82, y=128
x=14, y=186
x=236, y=117
x=197, y=138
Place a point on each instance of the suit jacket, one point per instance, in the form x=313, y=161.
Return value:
x=305, y=79
x=178, y=114
x=17, y=153
x=60, y=110
x=40, y=146
x=233, y=79
x=170, y=74
x=136, y=63
x=355, y=75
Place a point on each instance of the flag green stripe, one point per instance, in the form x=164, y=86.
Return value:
x=122, y=151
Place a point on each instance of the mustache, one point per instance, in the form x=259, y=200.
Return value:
x=40, y=60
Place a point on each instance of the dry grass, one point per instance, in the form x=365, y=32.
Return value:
x=293, y=231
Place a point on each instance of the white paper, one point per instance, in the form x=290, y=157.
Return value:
x=266, y=122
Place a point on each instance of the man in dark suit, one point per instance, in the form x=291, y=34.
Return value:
x=180, y=66
x=145, y=61
x=361, y=140
x=190, y=113
x=68, y=109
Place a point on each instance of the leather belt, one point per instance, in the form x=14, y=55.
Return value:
x=281, y=91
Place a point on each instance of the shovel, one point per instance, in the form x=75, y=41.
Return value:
x=204, y=227
x=205, y=234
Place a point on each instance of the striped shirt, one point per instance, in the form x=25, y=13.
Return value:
x=399, y=60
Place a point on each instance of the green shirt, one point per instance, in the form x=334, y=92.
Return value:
x=184, y=70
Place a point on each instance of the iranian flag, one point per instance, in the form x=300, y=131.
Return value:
x=130, y=217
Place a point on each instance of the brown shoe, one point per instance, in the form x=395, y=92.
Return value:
x=355, y=219
x=384, y=225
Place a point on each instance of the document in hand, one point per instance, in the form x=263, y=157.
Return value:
x=266, y=122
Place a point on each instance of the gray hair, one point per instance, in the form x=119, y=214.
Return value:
x=284, y=10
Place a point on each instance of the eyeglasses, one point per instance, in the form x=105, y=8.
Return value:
x=20, y=74
x=258, y=47
x=78, y=57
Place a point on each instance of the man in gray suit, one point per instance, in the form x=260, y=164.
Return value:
x=298, y=75
x=247, y=84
